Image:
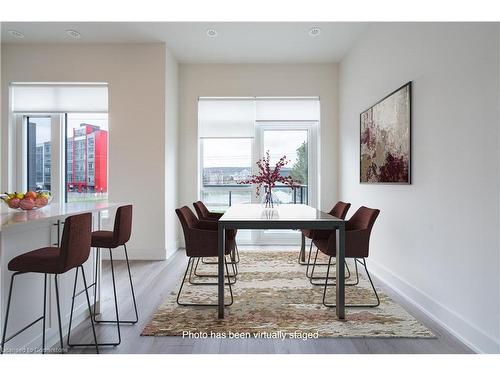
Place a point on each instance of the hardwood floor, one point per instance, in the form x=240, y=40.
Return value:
x=154, y=281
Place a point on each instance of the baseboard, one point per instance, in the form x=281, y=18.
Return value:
x=470, y=335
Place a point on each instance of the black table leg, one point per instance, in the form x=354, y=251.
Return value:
x=221, y=244
x=340, y=281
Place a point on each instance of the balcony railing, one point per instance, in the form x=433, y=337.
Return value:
x=219, y=197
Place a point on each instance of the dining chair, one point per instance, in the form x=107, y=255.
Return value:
x=357, y=245
x=72, y=254
x=204, y=214
x=340, y=211
x=201, y=239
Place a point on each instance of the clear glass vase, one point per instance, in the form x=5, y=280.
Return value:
x=270, y=199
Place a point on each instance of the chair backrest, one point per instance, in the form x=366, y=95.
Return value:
x=201, y=210
x=187, y=218
x=75, y=241
x=363, y=218
x=358, y=230
x=123, y=225
x=340, y=210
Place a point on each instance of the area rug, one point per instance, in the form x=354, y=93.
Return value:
x=274, y=299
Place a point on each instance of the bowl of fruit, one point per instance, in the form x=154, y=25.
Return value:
x=28, y=201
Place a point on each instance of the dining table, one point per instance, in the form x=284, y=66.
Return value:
x=283, y=216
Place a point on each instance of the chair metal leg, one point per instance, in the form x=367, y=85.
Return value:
x=71, y=310
x=237, y=253
x=236, y=259
x=193, y=271
x=304, y=263
x=116, y=298
x=347, y=276
x=90, y=310
x=96, y=344
x=59, y=314
x=96, y=276
x=9, y=299
x=190, y=266
x=44, y=311
x=309, y=260
x=352, y=305
x=131, y=288
x=312, y=277
x=4, y=333
x=233, y=266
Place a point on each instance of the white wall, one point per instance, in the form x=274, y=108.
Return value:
x=136, y=76
x=197, y=80
x=437, y=240
x=171, y=152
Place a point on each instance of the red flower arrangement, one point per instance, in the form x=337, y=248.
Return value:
x=269, y=178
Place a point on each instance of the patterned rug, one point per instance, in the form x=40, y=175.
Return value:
x=274, y=299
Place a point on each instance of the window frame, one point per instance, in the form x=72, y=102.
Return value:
x=59, y=152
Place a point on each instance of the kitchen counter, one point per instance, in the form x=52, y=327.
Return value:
x=10, y=217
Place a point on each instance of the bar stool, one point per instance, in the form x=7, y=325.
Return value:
x=73, y=252
x=120, y=235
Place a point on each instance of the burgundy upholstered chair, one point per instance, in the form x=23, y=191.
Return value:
x=201, y=238
x=119, y=236
x=357, y=245
x=74, y=250
x=340, y=211
x=204, y=214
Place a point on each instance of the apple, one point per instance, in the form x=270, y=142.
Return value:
x=30, y=194
x=27, y=204
x=41, y=201
x=14, y=202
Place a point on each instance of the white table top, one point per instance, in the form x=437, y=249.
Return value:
x=10, y=217
x=283, y=212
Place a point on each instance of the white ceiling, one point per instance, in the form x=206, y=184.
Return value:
x=237, y=42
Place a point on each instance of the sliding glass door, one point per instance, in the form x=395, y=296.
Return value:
x=297, y=141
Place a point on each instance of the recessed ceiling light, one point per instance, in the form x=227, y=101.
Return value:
x=16, y=33
x=212, y=33
x=315, y=31
x=73, y=33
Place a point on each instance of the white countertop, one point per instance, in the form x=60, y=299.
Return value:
x=10, y=217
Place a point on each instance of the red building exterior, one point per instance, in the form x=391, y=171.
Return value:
x=87, y=160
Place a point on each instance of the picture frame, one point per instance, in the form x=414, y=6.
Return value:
x=385, y=139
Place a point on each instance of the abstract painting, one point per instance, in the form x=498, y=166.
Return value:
x=385, y=148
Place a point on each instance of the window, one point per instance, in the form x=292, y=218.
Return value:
x=235, y=132
x=282, y=140
x=224, y=163
x=86, y=157
x=39, y=151
x=62, y=138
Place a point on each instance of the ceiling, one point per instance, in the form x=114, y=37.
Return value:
x=236, y=42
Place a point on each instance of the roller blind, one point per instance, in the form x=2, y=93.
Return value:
x=287, y=109
x=226, y=118
x=59, y=97
x=236, y=117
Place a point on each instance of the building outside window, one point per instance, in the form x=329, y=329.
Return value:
x=86, y=157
